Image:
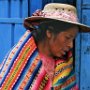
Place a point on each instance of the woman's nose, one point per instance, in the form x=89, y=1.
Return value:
x=70, y=44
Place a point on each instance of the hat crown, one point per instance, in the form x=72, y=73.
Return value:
x=60, y=11
x=60, y=7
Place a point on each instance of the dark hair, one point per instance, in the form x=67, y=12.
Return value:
x=53, y=26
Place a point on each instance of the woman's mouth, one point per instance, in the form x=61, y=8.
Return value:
x=65, y=51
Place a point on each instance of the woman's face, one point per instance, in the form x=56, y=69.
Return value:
x=61, y=43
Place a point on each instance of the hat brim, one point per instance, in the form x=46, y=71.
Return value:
x=30, y=22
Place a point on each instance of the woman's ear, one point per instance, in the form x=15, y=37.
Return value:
x=48, y=34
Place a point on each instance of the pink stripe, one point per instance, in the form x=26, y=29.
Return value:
x=75, y=88
x=39, y=79
x=48, y=85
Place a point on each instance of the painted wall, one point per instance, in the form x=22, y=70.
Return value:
x=83, y=46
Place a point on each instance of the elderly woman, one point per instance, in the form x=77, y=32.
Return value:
x=42, y=59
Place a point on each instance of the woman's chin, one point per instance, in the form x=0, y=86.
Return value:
x=58, y=56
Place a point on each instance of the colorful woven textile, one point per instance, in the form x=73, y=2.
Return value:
x=23, y=69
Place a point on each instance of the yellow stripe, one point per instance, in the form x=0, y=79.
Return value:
x=21, y=60
x=15, y=70
x=64, y=64
x=63, y=74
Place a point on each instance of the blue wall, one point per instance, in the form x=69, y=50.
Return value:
x=83, y=46
x=12, y=13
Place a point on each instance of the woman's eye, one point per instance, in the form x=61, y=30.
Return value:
x=67, y=37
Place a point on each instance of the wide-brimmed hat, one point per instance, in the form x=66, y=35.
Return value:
x=55, y=12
